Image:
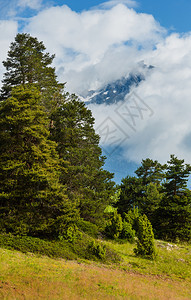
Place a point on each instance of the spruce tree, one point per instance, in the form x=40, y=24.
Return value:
x=145, y=241
x=78, y=145
x=32, y=200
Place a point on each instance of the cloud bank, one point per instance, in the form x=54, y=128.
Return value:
x=103, y=44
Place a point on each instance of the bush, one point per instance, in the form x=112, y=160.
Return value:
x=97, y=249
x=88, y=228
x=127, y=232
x=145, y=242
x=71, y=234
x=35, y=245
x=114, y=226
x=132, y=217
x=85, y=247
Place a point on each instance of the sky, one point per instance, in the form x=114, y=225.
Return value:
x=97, y=42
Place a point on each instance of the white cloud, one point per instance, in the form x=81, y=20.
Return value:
x=109, y=4
x=33, y=4
x=85, y=42
x=98, y=46
x=167, y=91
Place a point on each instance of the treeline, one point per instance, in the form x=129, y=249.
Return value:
x=51, y=166
x=160, y=192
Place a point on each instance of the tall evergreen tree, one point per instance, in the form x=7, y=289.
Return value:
x=176, y=176
x=78, y=144
x=27, y=63
x=150, y=171
x=131, y=195
x=32, y=200
x=173, y=217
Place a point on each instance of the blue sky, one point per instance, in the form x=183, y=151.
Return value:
x=98, y=42
x=172, y=14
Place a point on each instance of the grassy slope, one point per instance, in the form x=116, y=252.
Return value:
x=28, y=276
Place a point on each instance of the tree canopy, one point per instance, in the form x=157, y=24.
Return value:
x=78, y=147
x=51, y=167
x=32, y=200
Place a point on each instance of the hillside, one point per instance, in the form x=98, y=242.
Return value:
x=28, y=276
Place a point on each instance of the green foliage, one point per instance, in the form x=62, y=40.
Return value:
x=97, y=249
x=35, y=245
x=78, y=145
x=150, y=171
x=114, y=225
x=151, y=199
x=127, y=233
x=84, y=247
x=28, y=64
x=132, y=217
x=71, y=234
x=131, y=194
x=174, y=218
x=176, y=176
x=32, y=200
x=47, y=179
x=145, y=242
x=88, y=228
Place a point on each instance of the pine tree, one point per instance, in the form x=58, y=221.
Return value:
x=151, y=201
x=150, y=171
x=132, y=192
x=27, y=63
x=173, y=217
x=78, y=144
x=176, y=176
x=32, y=200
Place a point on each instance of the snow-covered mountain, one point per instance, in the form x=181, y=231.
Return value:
x=106, y=123
x=116, y=91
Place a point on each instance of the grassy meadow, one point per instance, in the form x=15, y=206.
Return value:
x=32, y=276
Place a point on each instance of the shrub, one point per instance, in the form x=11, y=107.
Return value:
x=127, y=232
x=26, y=244
x=71, y=234
x=145, y=242
x=114, y=226
x=88, y=228
x=132, y=217
x=97, y=249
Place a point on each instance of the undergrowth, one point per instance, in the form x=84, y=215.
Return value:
x=84, y=247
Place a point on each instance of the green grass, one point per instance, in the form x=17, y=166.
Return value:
x=174, y=262
x=53, y=276
x=27, y=276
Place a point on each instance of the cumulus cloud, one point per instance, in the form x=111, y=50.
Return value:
x=101, y=45
x=167, y=93
x=83, y=42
